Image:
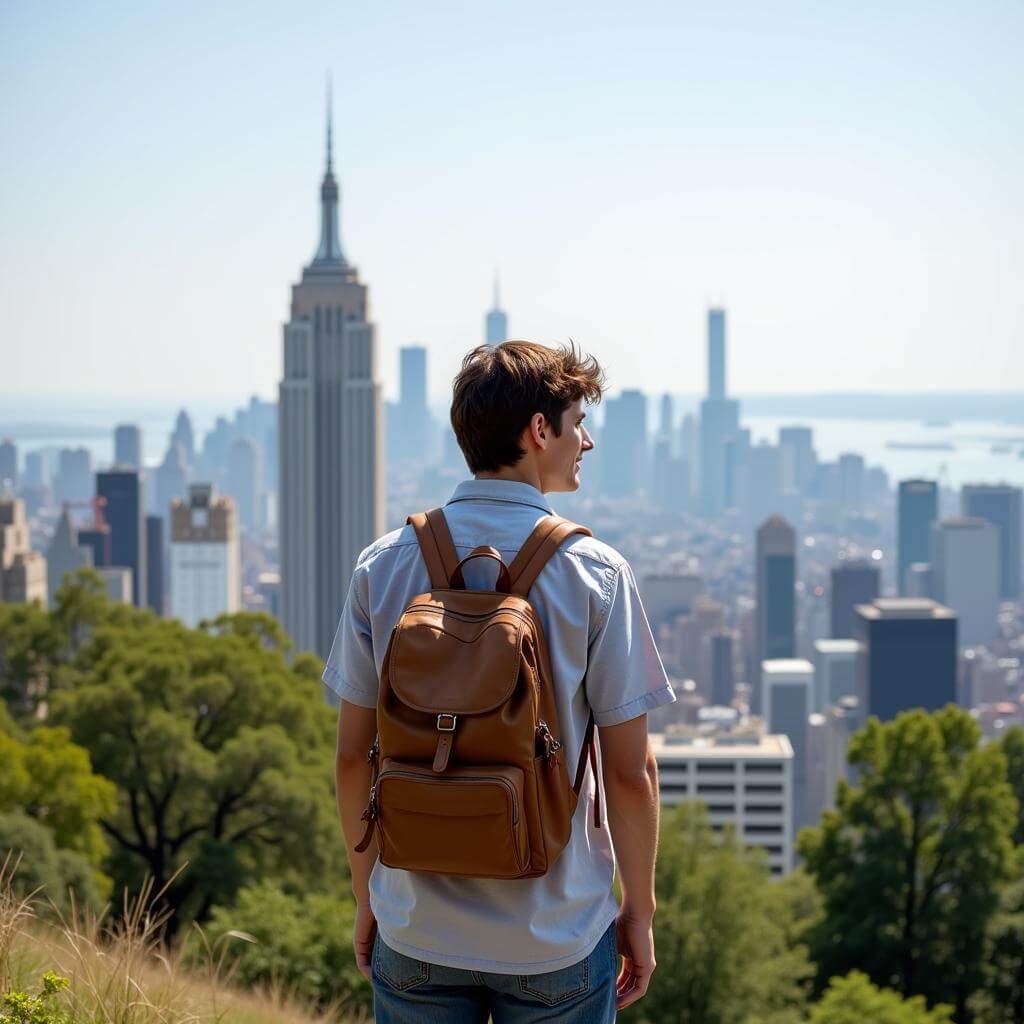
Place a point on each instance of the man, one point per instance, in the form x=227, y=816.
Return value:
x=440, y=947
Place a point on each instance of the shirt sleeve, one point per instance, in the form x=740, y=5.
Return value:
x=625, y=676
x=351, y=671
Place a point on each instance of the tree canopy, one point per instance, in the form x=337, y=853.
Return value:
x=911, y=861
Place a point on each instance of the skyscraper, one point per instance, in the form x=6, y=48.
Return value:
x=128, y=446
x=65, y=554
x=716, y=354
x=851, y=481
x=412, y=436
x=965, y=574
x=906, y=656
x=170, y=479
x=1000, y=504
x=73, y=480
x=22, y=570
x=788, y=693
x=205, y=568
x=184, y=435
x=8, y=462
x=496, y=321
x=245, y=481
x=853, y=582
x=799, y=461
x=918, y=506
x=719, y=421
x=329, y=414
x=624, y=444
x=125, y=514
x=155, y=563
x=775, y=623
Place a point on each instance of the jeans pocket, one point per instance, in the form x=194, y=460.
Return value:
x=556, y=987
x=397, y=970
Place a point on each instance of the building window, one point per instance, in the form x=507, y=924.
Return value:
x=715, y=766
x=763, y=808
x=763, y=787
x=764, y=767
x=763, y=830
x=722, y=808
x=709, y=787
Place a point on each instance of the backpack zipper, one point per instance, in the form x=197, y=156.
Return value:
x=462, y=778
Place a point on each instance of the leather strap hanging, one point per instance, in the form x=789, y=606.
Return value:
x=588, y=753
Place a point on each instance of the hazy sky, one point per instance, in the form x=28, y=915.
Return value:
x=846, y=177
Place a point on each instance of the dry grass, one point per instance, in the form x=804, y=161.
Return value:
x=120, y=971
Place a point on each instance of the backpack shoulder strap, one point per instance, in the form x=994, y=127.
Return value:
x=542, y=543
x=435, y=545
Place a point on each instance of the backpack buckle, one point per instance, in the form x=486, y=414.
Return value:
x=443, y=721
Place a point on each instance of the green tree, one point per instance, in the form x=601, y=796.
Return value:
x=222, y=754
x=854, y=1000
x=50, y=779
x=43, y=865
x=1013, y=750
x=911, y=861
x=723, y=932
x=304, y=941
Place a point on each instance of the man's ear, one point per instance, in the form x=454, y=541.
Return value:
x=539, y=430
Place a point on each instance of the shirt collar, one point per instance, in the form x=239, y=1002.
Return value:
x=501, y=490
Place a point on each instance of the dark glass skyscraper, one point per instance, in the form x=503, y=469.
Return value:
x=1000, y=505
x=853, y=583
x=155, y=563
x=775, y=622
x=918, y=508
x=906, y=656
x=125, y=514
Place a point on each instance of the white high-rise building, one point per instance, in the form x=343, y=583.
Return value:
x=330, y=503
x=788, y=686
x=835, y=671
x=206, y=577
x=966, y=575
x=744, y=777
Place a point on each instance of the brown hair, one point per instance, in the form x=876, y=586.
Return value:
x=500, y=387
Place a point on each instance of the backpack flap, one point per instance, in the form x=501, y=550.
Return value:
x=449, y=661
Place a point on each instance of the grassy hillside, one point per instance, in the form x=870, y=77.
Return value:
x=119, y=973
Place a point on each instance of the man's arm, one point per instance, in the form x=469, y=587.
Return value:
x=630, y=775
x=357, y=727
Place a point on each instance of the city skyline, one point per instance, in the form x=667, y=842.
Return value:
x=829, y=214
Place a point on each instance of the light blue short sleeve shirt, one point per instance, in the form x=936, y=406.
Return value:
x=603, y=659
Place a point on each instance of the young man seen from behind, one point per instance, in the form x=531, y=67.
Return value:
x=441, y=947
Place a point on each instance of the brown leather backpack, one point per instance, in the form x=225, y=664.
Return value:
x=468, y=773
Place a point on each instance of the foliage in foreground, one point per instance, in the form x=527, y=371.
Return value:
x=854, y=1000
x=725, y=935
x=303, y=942
x=912, y=861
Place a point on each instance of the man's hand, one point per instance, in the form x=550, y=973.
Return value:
x=363, y=934
x=635, y=939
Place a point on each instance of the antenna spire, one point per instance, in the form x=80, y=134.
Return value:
x=330, y=135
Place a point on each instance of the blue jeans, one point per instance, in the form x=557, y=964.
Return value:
x=408, y=991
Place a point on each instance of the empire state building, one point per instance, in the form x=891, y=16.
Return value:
x=329, y=422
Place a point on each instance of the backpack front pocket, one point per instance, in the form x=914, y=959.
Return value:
x=464, y=821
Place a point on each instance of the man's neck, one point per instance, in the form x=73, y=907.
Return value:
x=524, y=475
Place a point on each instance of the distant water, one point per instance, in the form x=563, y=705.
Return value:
x=971, y=459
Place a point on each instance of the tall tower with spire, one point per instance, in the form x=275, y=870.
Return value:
x=329, y=424
x=496, y=321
